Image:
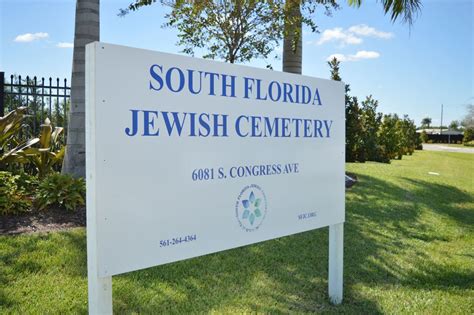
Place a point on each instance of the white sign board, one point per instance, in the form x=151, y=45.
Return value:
x=187, y=157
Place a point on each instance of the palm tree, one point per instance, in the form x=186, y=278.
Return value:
x=292, y=47
x=293, y=37
x=87, y=30
x=426, y=122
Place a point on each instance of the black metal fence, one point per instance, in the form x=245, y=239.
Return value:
x=44, y=98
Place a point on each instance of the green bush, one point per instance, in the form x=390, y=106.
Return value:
x=424, y=137
x=27, y=183
x=381, y=155
x=468, y=135
x=48, y=153
x=10, y=141
x=419, y=140
x=62, y=191
x=13, y=199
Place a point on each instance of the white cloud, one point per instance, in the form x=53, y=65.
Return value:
x=65, y=45
x=364, y=54
x=365, y=30
x=351, y=36
x=360, y=55
x=29, y=37
x=339, y=35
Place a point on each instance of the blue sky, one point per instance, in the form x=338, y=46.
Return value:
x=410, y=71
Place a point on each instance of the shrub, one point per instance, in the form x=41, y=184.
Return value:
x=381, y=155
x=468, y=135
x=10, y=142
x=27, y=183
x=61, y=190
x=371, y=121
x=418, y=141
x=389, y=136
x=13, y=200
x=424, y=137
x=49, y=151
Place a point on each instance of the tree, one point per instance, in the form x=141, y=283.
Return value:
x=334, y=65
x=424, y=137
x=234, y=31
x=414, y=140
x=468, y=120
x=426, y=122
x=454, y=125
x=292, y=48
x=354, y=146
x=293, y=39
x=86, y=30
x=468, y=124
x=238, y=30
x=371, y=121
x=408, y=9
x=354, y=131
x=389, y=137
x=407, y=135
x=468, y=135
x=295, y=14
x=418, y=140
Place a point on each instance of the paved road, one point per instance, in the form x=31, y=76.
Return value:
x=441, y=147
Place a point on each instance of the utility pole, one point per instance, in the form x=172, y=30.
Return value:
x=441, y=126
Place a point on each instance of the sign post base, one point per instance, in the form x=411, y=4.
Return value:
x=336, y=250
x=100, y=295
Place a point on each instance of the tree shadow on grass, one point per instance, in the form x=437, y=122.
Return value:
x=59, y=256
x=12, y=267
x=292, y=270
x=75, y=263
x=393, y=212
x=28, y=253
x=289, y=274
x=280, y=276
x=446, y=200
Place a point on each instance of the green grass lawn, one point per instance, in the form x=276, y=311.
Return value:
x=409, y=248
x=455, y=145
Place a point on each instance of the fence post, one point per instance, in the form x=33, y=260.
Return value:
x=2, y=94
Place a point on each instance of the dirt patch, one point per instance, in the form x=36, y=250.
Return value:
x=51, y=220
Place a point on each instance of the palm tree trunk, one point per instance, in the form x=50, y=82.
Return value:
x=87, y=30
x=292, y=41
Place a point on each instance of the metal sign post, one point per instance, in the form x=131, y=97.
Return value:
x=336, y=262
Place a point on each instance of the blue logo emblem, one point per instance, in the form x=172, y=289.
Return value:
x=251, y=208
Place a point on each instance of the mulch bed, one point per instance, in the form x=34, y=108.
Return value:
x=42, y=221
